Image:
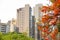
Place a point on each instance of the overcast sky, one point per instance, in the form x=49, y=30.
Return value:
x=8, y=7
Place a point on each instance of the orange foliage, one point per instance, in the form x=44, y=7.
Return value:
x=39, y=27
x=45, y=18
x=46, y=38
x=58, y=1
x=52, y=22
x=44, y=30
x=56, y=11
x=43, y=34
x=56, y=31
x=55, y=7
x=52, y=35
x=53, y=0
x=47, y=27
x=44, y=8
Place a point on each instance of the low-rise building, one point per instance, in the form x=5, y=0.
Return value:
x=3, y=27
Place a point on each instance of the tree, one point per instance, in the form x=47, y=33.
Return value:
x=14, y=36
x=0, y=36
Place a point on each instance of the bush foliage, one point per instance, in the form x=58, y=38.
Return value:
x=14, y=36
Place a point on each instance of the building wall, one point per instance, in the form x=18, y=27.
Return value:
x=38, y=16
x=8, y=28
x=3, y=27
x=33, y=27
x=11, y=25
x=23, y=19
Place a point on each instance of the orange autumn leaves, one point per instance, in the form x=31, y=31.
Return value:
x=52, y=22
x=53, y=10
x=39, y=28
x=45, y=18
x=56, y=11
x=44, y=8
x=53, y=1
x=55, y=7
x=53, y=33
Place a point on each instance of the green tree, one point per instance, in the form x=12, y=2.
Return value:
x=1, y=36
x=14, y=36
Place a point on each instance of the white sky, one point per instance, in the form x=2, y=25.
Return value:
x=8, y=7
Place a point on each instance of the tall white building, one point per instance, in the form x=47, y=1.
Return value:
x=38, y=16
x=24, y=19
x=11, y=25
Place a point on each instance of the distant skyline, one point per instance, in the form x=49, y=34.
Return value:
x=8, y=7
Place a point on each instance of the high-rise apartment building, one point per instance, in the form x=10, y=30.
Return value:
x=24, y=19
x=33, y=27
x=11, y=25
x=38, y=16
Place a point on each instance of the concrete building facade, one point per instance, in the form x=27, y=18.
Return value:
x=24, y=19
x=33, y=27
x=38, y=16
x=11, y=25
x=3, y=27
